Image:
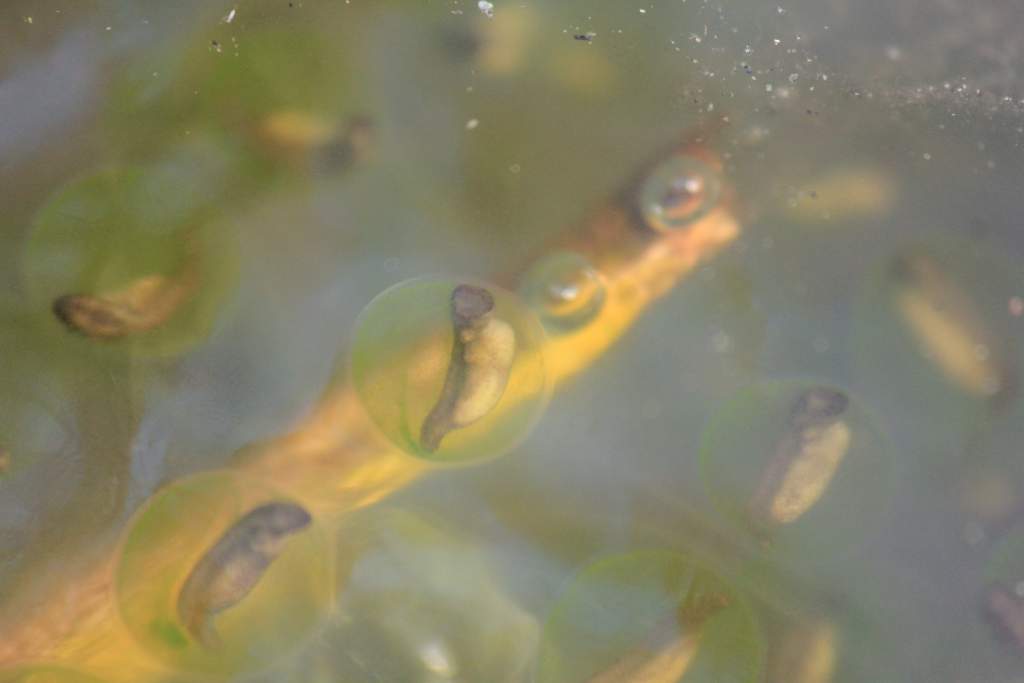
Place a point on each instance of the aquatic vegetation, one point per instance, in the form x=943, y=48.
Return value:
x=112, y=266
x=232, y=567
x=652, y=617
x=450, y=371
x=220, y=545
x=46, y=674
x=805, y=460
x=564, y=289
x=801, y=464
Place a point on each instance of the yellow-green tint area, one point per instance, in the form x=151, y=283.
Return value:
x=564, y=289
x=417, y=602
x=172, y=532
x=401, y=353
x=127, y=234
x=613, y=610
x=743, y=438
x=230, y=77
x=935, y=340
x=45, y=674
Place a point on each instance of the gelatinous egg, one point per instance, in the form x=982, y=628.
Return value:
x=650, y=616
x=678, y=192
x=450, y=371
x=266, y=587
x=114, y=261
x=564, y=289
x=799, y=464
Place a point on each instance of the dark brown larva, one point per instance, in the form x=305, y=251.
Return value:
x=233, y=566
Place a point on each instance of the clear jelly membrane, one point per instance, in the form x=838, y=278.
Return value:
x=744, y=438
x=173, y=532
x=116, y=234
x=400, y=359
x=613, y=607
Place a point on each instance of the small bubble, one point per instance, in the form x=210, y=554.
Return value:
x=487, y=8
x=926, y=156
x=564, y=289
x=515, y=168
x=678, y=192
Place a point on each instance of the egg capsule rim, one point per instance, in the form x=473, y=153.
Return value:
x=542, y=401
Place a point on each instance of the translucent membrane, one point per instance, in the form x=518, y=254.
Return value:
x=810, y=487
x=417, y=602
x=678, y=192
x=45, y=674
x=173, y=533
x=402, y=355
x=116, y=259
x=937, y=327
x=564, y=289
x=622, y=614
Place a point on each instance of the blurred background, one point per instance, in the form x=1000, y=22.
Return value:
x=320, y=151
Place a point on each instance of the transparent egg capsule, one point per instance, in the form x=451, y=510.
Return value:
x=450, y=370
x=417, y=602
x=935, y=327
x=565, y=290
x=801, y=465
x=221, y=575
x=678, y=192
x=116, y=261
x=650, y=616
x=46, y=674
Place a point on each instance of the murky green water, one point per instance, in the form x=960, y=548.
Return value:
x=261, y=170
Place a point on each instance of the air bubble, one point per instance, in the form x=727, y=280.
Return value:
x=799, y=465
x=678, y=192
x=402, y=360
x=565, y=290
x=174, y=532
x=628, y=613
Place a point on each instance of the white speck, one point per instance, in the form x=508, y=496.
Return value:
x=926, y=156
x=28, y=20
x=436, y=658
x=768, y=87
x=776, y=42
x=487, y=8
x=643, y=11
x=780, y=10
x=108, y=28
x=230, y=16
x=472, y=123
x=721, y=342
x=793, y=78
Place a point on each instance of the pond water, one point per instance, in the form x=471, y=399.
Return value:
x=530, y=308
